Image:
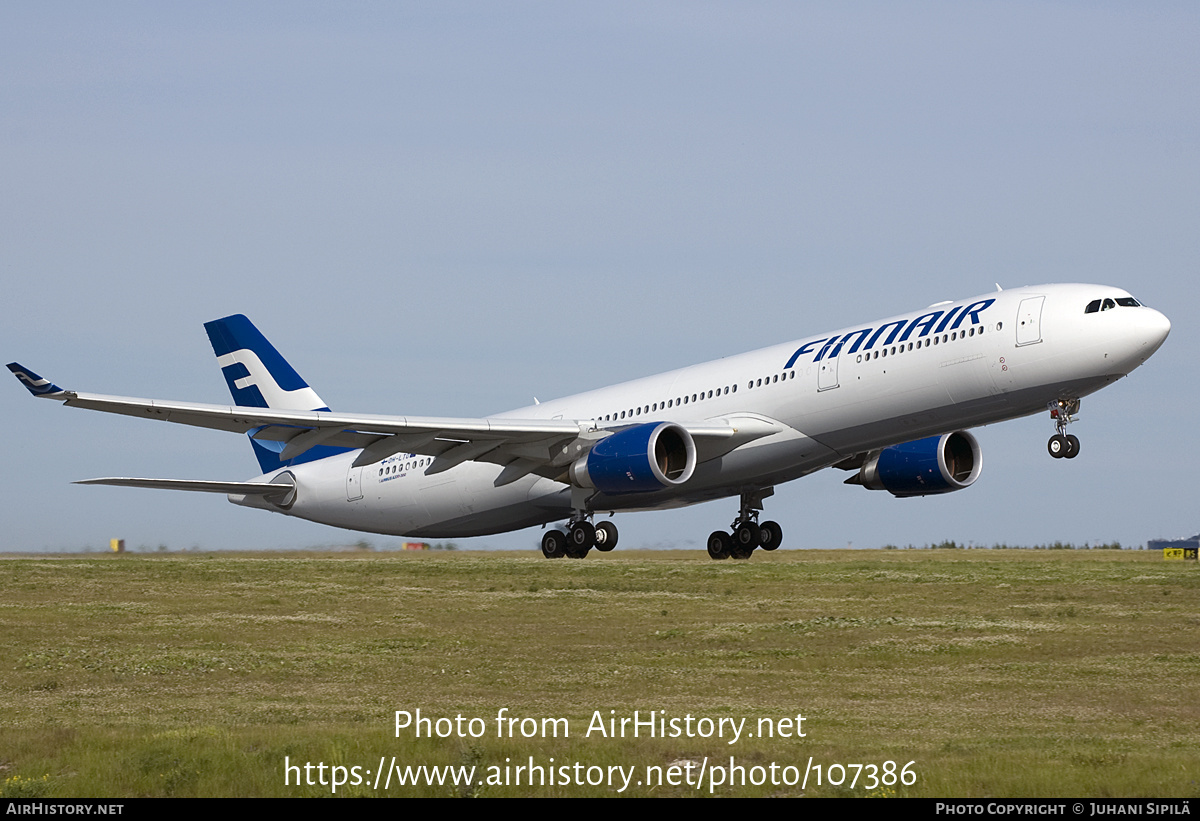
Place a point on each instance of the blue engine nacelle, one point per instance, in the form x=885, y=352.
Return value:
x=939, y=464
x=640, y=459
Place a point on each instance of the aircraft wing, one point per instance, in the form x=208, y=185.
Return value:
x=543, y=446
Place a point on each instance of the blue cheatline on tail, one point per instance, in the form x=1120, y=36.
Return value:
x=259, y=377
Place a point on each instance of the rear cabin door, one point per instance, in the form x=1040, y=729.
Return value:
x=354, y=484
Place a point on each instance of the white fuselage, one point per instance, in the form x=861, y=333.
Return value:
x=826, y=398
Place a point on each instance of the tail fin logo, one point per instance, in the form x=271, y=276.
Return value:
x=257, y=375
x=34, y=383
x=244, y=371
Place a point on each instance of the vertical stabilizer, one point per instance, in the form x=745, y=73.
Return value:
x=259, y=377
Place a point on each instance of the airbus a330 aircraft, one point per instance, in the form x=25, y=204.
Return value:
x=888, y=400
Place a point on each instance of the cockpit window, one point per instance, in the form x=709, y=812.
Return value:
x=1108, y=304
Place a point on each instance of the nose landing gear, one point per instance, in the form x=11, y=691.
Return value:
x=1063, y=445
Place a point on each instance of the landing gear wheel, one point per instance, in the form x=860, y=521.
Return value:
x=745, y=538
x=554, y=544
x=770, y=536
x=1057, y=446
x=1072, y=446
x=606, y=536
x=580, y=539
x=582, y=536
x=720, y=545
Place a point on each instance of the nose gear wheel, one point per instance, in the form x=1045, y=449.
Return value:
x=1063, y=445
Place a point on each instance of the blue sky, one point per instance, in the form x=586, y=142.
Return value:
x=447, y=209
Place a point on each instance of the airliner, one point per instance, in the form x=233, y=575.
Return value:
x=889, y=401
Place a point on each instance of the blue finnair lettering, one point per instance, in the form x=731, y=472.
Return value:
x=805, y=348
x=895, y=326
x=924, y=322
x=972, y=311
x=902, y=328
x=838, y=348
x=945, y=321
x=825, y=349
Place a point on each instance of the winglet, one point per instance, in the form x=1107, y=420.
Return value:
x=36, y=385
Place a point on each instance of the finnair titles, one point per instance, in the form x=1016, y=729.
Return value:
x=923, y=325
x=889, y=401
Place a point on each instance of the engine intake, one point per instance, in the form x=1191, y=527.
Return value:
x=640, y=459
x=938, y=464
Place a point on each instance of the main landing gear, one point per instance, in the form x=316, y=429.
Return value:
x=1063, y=445
x=746, y=533
x=739, y=542
x=581, y=537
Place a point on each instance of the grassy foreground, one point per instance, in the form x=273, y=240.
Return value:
x=998, y=673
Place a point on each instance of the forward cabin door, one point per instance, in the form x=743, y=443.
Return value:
x=1029, y=321
x=827, y=374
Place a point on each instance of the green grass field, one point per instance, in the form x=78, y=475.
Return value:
x=998, y=673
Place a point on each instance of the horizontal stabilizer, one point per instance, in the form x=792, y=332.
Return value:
x=238, y=488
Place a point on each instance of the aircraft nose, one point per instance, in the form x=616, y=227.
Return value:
x=1156, y=326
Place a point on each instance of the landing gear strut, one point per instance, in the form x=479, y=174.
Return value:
x=1063, y=445
x=747, y=533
